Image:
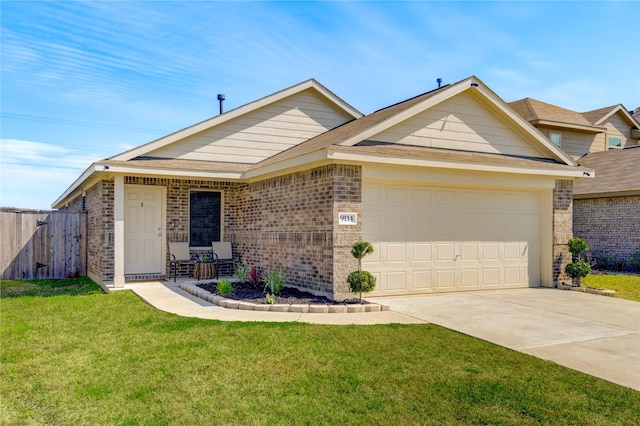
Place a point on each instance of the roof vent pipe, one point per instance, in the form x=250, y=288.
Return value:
x=439, y=80
x=221, y=99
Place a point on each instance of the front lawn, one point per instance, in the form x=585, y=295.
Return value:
x=112, y=359
x=625, y=286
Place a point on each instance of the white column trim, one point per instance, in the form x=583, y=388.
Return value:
x=118, y=231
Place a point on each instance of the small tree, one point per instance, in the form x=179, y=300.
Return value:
x=577, y=269
x=361, y=281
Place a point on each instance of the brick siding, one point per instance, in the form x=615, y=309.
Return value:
x=562, y=227
x=609, y=224
x=290, y=222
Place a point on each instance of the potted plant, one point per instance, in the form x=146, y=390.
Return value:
x=204, y=269
x=361, y=281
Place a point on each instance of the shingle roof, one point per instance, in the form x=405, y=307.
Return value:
x=616, y=171
x=534, y=110
x=597, y=114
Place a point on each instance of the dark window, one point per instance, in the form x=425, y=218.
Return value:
x=205, y=218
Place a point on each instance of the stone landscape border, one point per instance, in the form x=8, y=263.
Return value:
x=192, y=288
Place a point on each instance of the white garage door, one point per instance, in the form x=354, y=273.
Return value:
x=437, y=239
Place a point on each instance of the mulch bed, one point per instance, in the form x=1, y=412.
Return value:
x=289, y=296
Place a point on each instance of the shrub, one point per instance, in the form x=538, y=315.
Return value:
x=271, y=299
x=241, y=273
x=634, y=261
x=274, y=280
x=577, y=246
x=361, y=281
x=605, y=261
x=577, y=270
x=359, y=250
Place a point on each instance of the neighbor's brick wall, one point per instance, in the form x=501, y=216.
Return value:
x=562, y=227
x=609, y=224
x=290, y=222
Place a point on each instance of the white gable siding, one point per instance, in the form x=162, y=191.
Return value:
x=460, y=123
x=260, y=134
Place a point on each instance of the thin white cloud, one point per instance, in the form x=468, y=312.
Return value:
x=33, y=174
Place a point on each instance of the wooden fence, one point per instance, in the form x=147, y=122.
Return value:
x=42, y=244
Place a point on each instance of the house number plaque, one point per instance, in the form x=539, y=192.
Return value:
x=347, y=218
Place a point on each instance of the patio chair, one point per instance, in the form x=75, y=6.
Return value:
x=179, y=254
x=222, y=253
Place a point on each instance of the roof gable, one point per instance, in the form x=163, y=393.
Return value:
x=247, y=134
x=600, y=116
x=460, y=123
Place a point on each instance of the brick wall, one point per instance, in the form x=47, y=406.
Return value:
x=290, y=222
x=609, y=224
x=562, y=227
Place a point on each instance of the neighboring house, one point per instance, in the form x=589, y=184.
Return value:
x=581, y=133
x=606, y=210
x=454, y=190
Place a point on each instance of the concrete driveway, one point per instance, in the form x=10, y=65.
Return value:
x=594, y=334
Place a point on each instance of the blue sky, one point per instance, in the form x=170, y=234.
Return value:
x=82, y=81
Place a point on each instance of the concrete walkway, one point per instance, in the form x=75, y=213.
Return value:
x=168, y=297
x=593, y=334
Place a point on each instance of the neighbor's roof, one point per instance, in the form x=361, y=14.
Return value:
x=541, y=113
x=599, y=116
x=616, y=174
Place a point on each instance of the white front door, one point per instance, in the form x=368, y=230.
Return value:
x=143, y=230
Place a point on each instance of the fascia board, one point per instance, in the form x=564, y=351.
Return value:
x=244, y=109
x=199, y=174
x=419, y=162
x=563, y=125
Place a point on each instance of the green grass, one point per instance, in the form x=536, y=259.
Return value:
x=625, y=286
x=112, y=359
x=46, y=288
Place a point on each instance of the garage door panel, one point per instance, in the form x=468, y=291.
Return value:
x=395, y=252
x=445, y=251
x=421, y=252
x=445, y=279
x=468, y=278
x=469, y=251
x=490, y=277
x=422, y=280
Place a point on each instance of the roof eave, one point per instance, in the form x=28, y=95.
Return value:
x=569, y=172
x=609, y=194
x=561, y=124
